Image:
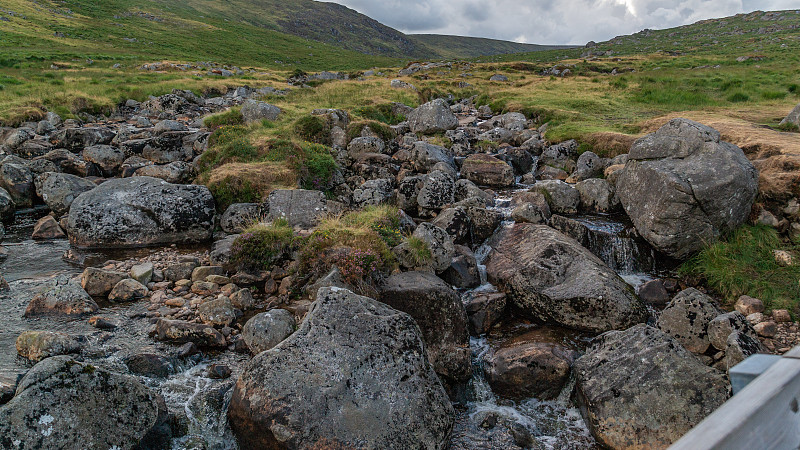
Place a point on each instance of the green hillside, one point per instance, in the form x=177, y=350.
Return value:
x=470, y=47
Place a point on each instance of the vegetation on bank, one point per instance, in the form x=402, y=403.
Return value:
x=744, y=264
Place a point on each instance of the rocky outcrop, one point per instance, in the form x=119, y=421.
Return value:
x=682, y=187
x=640, y=388
x=64, y=404
x=438, y=311
x=141, y=211
x=552, y=278
x=333, y=373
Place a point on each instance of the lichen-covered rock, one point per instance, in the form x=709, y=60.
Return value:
x=240, y=216
x=17, y=180
x=487, y=170
x=141, y=211
x=435, y=252
x=432, y=117
x=298, y=206
x=268, y=329
x=597, y=196
x=425, y=156
x=437, y=191
x=64, y=404
x=7, y=206
x=682, y=187
x=127, y=290
x=108, y=158
x=76, y=139
x=254, y=110
x=686, y=318
x=181, y=332
x=333, y=372
x=38, y=345
x=640, y=388
x=562, y=198
x=373, y=192
x=552, y=278
x=438, y=311
x=217, y=313
x=61, y=296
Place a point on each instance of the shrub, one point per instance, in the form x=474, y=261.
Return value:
x=316, y=169
x=228, y=144
x=794, y=88
x=738, y=97
x=232, y=190
x=313, y=129
x=261, y=246
x=773, y=95
x=420, y=252
x=744, y=265
x=356, y=264
x=227, y=118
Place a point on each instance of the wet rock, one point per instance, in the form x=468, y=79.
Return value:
x=141, y=211
x=218, y=372
x=240, y=216
x=597, y=196
x=531, y=213
x=432, y=117
x=348, y=349
x=17, y=180
x=64, y=404
x=684, y=170
x=61, y=296
x=463, y=272
x=181, y=332
x=127, y=290
x=465, y=189
x=523, y=369
x=654, y=293
x=438, y=311
x=487, y=170
x=218, y=313
x=59, y=190
x=430, y=249
x=268, y=329
x=103, y=323
x=38, y=345
x=628, y=375
x=552, y=278
x=99, y=282
x=253, y=110
x=686, y=319
x=299, y=207
x=484, y=310
x=7, y=206
x=47, y=228
x=150, y=365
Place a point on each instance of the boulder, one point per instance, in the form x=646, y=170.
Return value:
x=47, y=228
x=441, y=317
x=254, y=110
x=360, y=145
x=177, y=172
x=169, y=125
x=127, y=290
x=268, y=329
x=793, y=118
x=682, y=187
x=686, y=318
x=65, y=404
x=552, y=278
x=243, y=299
x=61, y=296
x=38, y=345
x=748, y=305
x=437, y=191
x=597, y=196
x=562, y=198
x=298, y=206
x=217, y=313
x=143, y=272
x=654, y=292
x=240, y=216
x=7, y=206
x=141, y=211
x=484, y=309
x=76, y=139
x=181, y=332
x=167, y=148
x=640, y=388
x=430, y=248
x=373, y=192
x=483, y=169
x=524, y=368
x=17, y=180
x=59, y=190
x=424, y=156
x=150, y=365
x=463, y=272
x=180, y=271
x=99, y=282
x=589, y=165
x=333, y=373
x=200, y=273
x=721, y=327
x=432, y=117
x=107, y=158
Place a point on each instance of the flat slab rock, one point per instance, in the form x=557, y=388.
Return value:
x=354, y=375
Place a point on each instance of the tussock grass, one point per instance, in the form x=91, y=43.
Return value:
x=744, y=265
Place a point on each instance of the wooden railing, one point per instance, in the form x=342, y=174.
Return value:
x=765, y=414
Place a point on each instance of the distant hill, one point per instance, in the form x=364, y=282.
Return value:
x=305, y=33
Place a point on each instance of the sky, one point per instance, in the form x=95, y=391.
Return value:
x=551, y=21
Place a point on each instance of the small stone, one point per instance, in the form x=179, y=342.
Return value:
x=766, y=329
x=99, y=282
x=243, y=299
x=748, y=305
x=103, y=323
x=202, y=272
x=47, y=228
x=218, y=372
x=755, y=318
x=218, y=313
x=783, y=258
x=205, y=288
x=175, y=302
x=654, y=293
x=268, y=329
x=781, y=316
x=218, y=279
x=270, y=287
x=142, y=273
x=127, y=290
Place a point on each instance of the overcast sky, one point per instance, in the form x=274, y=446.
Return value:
x=551, y=21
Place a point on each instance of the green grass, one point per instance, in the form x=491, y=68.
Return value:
x=744, y=265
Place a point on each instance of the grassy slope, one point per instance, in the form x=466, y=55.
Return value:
x=470, y=47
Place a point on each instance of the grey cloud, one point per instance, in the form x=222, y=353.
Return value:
x=550, y=21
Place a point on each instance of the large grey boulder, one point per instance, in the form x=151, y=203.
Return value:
x=640, y=388
x=552, y=278
x=107, y=158
x=268, y=329
x=373, y=192
x=487, y=170
x=326, y=385
x=59, y=190
x=441, y=317
x=793, y=118
x=76, y=139
x=240, y=216
x=298, y=206
x=17, y=180
x=141, y=211
x=432, y=117
x=65, y=404
x=562, y=197
x=437, y=190
x=177, y=172
x=369, y=144
x=682, y=187
x=254, y=110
